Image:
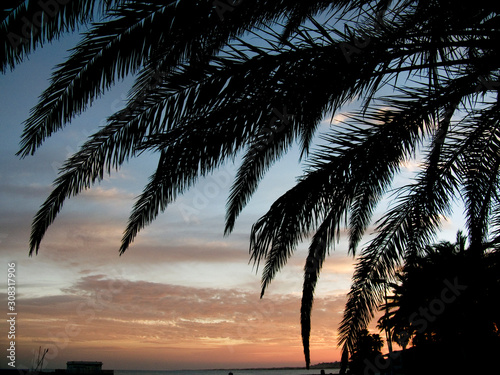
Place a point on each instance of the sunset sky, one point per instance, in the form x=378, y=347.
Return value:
x=183, y=296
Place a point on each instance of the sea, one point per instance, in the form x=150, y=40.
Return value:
x=227, y=371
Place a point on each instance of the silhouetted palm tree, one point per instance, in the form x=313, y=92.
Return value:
x=443, y=303
x=368, y=348
x=420, y=284
x=206, y=93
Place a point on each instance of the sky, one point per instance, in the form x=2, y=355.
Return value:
x=183, y=296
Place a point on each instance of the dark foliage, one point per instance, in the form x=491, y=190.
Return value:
x=425, y=73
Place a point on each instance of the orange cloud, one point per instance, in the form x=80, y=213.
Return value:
x=100, y=318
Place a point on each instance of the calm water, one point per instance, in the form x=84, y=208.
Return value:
x=225, y=372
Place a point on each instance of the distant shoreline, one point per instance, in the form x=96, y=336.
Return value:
x=318, y=366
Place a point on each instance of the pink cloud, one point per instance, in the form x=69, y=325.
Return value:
x=100, y=317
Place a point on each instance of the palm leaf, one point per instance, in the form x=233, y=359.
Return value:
x=479, y=165
x=108, y=52
x=27, y=25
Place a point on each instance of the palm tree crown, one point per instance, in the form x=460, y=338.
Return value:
x=443, y=303
x=204, y=94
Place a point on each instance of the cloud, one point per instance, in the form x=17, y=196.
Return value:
x=338, y=118
x=99, y=312
x=78, y=242
x=22, y=191
x=99, y=194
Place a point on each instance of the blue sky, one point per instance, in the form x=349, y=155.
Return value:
x=182, y=291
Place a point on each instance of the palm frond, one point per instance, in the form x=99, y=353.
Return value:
x=110, y=51
x=135, y=35
x=333, y=185
x=275, y=235
x=27, y=25
x=404, y=230
x=320, y=244
x=177, y=170
x=268, y=145
x=479, y=167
